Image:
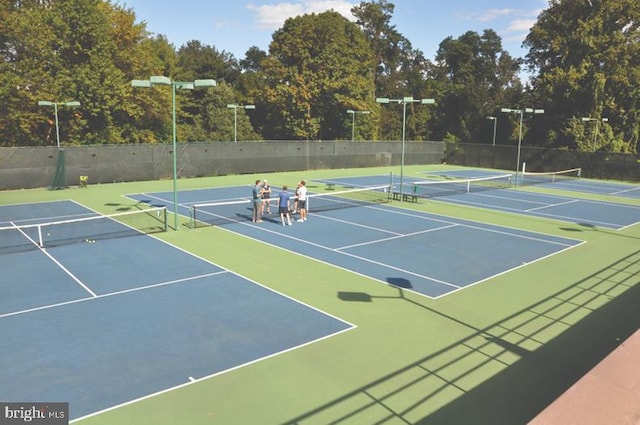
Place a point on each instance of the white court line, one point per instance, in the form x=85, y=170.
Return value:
x=569, y=219
x=44, y=219
x=360, y=225
x=168, y=203
x=572, y=201
x=450, y=224
x=509, y=198
x=64, y=269
x=400, y=236
x=213, y=375
x=336, y=250
x=111, y=294
x=632, y=189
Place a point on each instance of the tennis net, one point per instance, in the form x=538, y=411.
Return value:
x=436, y=188
x=531, y=178
x=241, y=210
x=19, y=238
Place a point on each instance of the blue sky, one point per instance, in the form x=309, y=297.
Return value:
x=236, y=25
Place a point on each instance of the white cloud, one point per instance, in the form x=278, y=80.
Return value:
x=272, y=17
x=493, y=14
x=226, y=25
x=514, y=24
x=520, y=25
x=490, y=14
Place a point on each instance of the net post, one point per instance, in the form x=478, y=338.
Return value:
x=166, y=224
x=40, y=240
x=524, y=170
x=390, y=190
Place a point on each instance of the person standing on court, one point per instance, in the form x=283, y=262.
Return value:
x=283, y=205
x=266, y=195
x=302, y=200
x=295, y=199
x=257, y=202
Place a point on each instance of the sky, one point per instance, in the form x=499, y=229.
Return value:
x=236, y=25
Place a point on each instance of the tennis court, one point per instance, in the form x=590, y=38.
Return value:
x=494, y=191
x=97, y=313
x=367, y=235
x=547, y=180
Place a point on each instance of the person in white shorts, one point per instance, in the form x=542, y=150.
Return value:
x=302, y=200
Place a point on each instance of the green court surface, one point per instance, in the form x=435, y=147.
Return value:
x=495, y=353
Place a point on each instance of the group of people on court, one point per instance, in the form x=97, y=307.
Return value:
x=261, y=195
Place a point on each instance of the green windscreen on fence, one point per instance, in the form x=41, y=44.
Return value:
x=59, y=175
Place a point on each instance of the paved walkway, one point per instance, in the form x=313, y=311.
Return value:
x=608, y=395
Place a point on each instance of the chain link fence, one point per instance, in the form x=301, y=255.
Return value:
x=32, y=167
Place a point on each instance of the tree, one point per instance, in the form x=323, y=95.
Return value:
x=476, y=77
x=314, y=72
x=84, y=50
x=398, y=70
x=200, y=111
x=25, y=62
x=586, y=54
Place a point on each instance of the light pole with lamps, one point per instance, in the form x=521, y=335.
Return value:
x=404, y=101
x=353, y=121
x=55, y=113
x=235, y=117
x=595, y=133
x=159, y=80
x=521, y=112
x=495, y=124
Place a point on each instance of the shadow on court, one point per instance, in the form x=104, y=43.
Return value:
x=539, y=352
x=587, y=227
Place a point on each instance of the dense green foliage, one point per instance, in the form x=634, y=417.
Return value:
x=587, y=54
x=476, y=78
x=313, y=74
x=583, y=56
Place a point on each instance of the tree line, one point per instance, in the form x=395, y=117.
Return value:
x=582, y=54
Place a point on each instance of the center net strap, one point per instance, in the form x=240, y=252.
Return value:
x=17, y=238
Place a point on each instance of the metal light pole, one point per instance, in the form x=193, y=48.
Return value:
x=521, y=112
x=353, y=121
x=235, y=118
x=55, y=112
x=595, y=133
x=404, y=102
x=158, y=80
x=495, y=124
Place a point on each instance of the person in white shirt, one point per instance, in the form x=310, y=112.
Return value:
x=302, y=200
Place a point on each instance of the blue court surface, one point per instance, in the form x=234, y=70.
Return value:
x=102, y=322
x=610, y=215
x=428, y=254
